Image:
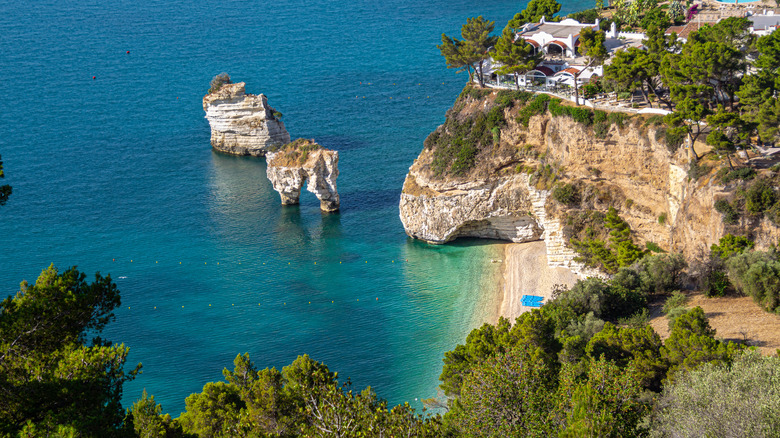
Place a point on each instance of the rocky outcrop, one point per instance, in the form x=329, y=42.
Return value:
x=301, y=161
x=506, y=193
x=242, y=124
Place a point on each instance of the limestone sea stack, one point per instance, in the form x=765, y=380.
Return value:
x=300, y=161
x=242, y=124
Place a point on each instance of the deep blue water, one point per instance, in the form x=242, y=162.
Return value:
x=116, y=175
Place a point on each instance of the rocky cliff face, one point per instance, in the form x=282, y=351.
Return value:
x=301, y=161
x=506, y=192
x=242, y=124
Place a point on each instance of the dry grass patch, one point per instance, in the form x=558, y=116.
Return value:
x=734, y=318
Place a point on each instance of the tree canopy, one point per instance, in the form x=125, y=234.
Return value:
x=470, y=52
x=51, y=375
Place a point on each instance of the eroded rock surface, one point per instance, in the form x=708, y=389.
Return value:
x=627, y=166
x=242, y=124
x=300, y=162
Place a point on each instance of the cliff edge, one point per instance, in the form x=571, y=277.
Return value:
x=242, y=124
x=491, y=170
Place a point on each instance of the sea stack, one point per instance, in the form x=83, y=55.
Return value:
x=242, y=124
x=295, y=163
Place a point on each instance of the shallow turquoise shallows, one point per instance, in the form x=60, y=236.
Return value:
x=115, y=174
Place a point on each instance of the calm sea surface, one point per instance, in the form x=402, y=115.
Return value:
x=116, y=175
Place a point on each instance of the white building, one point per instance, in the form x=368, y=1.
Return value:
x=557, y=38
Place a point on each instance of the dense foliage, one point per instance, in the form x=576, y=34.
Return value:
x=740, y=400
x=53, y=375
x=619, y=250
x=567, y=369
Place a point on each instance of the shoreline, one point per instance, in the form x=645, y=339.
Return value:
x=525, y=272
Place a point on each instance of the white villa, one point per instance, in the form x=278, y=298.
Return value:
x=555, y=39
x=764, y=24
x=559, y=41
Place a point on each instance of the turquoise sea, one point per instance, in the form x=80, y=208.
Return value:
x=115, y=174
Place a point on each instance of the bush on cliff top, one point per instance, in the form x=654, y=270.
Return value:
x=456, y=145
x=218, y=81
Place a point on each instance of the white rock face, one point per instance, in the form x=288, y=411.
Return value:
x=496, y=209
x=507, y=208
x=320, y=169
x=242, y=124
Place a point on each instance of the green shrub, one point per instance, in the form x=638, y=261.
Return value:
x=457, y=143
x=509, y=98
x=674, y=137
x=595, y=252
x=545, y=176
x=744, y=173
x=590, y=91
x=566, y=194
x=760, y=197
x=586, y=16
x=696, y=171
x=677, y=299
x=674, y=314
x=653, y=247
x=496, y=135
x=580, y=115
x=654, y=120
x=218, y=81
x=637, y=320
x=757, y=274
x=618, y=118
x=600, y=129
x=662, y=218
x=722, y=400
x=535, y=107
x=471, y=92
x=730, y=244
x=730, y=214
x=659, y=273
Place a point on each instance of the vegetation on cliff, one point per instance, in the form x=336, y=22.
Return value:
x=294, y=153
x=218, y=81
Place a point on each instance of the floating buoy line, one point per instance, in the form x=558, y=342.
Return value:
x=326, y=301
x=270, y=264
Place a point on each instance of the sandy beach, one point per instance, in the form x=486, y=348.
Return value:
x=525, y=272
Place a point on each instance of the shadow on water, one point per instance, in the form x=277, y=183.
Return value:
x=338, y=142
x=291, y=226
x=331, y=225
x=459, y=243
x=370, y=200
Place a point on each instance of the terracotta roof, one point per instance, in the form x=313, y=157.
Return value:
x=546, y=70
x=533, y=43
x=571, y=70
x=685, y=30
x=558, y=42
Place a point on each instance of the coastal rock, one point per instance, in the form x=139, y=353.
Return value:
x=506, y=193
x=242, y=124
x=301, y=161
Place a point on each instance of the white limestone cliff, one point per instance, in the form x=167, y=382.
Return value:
x=242, y=124
x=627, y=166
x=305, y=162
